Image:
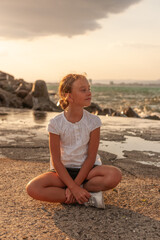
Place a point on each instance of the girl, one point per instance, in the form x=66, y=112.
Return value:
x=77, y=174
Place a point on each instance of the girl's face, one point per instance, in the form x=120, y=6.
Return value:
x=81, y=93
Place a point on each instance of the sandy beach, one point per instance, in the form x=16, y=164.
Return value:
x=132, y=209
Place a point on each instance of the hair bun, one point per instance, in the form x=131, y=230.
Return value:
x=63, y=103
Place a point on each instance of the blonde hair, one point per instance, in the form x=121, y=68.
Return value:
x=65, y=87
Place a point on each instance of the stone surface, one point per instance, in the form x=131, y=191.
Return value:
x=28, y=101
x=8, y=99
x=21, y=94
x=40, y=97
x=129, y=112
x=94, y=108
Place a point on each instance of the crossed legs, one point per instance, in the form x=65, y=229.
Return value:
x=103, y=178
x=49, y=187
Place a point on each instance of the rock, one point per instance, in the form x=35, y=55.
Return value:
x=118, y=114
x=94, y=108
x=153, y=117
x=108, y=111
x=7, y=86
x=111, y=112
x=18, y=93
x=12, y=91
x=13, y=85
x=129, y=112
x=5, y=76
x=27, y=101
x=23, y=89
x=8, y=99
x=40, y=97
x=22, y=93
x=39, y=90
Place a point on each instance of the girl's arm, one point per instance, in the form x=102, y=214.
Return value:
x=79, y=193
x=90, y=160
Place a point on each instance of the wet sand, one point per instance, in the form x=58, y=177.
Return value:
x=132, y=208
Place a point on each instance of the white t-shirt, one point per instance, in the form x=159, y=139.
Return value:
x=74, y=138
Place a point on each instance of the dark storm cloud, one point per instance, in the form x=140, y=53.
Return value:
x=33, y=18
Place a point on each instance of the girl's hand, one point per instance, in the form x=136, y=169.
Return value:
x=69, y=197
x=80, y=194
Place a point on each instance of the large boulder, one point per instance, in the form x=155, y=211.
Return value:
x=23, y=89
x=108, y=111
x=39, y=90
x=28, y=101
x=94, y=108
x=40, y=97
x=152, y=117
x=8, y=99
x=129, y=112
x=111, y=112
x=14, y=85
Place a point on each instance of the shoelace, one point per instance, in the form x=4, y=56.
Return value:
x=91, y=202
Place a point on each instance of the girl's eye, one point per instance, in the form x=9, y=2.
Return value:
x=85, y=90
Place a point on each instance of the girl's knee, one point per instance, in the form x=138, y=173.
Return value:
x=32, y=189
x=117, y=174
x=29, y=188
x=113, y=177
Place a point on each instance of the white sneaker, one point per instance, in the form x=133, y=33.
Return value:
x=96, y=200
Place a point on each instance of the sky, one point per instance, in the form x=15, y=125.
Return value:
x=106, y=39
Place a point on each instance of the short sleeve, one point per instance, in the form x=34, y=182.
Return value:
x=96, y=123
x=53, y=127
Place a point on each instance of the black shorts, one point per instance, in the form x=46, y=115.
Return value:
x=73, y=172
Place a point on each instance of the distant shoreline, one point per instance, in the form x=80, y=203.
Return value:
x=115, y=84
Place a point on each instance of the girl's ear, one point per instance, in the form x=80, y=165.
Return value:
x=68, y=97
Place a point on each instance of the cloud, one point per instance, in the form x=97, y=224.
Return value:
x=34, y=18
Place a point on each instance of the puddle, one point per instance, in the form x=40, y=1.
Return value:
x=36, y=122
x=131, y=143
x=23, y=118
x=150, y=163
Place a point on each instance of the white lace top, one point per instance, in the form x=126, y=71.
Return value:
x=74, y=138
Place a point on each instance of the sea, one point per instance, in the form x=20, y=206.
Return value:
x=143, y=99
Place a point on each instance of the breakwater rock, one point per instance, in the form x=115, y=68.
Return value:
x=127, y=112
x=17, y=93
x=96, y=109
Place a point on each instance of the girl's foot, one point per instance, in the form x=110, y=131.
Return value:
x=96, y=200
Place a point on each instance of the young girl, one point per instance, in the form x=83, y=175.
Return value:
x=77, y=174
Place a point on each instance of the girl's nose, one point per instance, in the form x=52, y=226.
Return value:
x=89, y=92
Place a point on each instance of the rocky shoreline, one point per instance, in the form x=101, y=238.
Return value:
x=132, y=208
x=17, y=93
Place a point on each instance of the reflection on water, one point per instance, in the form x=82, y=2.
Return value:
x=39, y=116
x=17, y=119
x=26, y=116
x=131, y=144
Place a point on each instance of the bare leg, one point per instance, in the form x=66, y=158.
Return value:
x=47, y=187
x=102, y=178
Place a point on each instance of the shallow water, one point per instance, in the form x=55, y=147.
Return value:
x=29, y=117
x=145, y=100
x=23, y=118
x=131, y=144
